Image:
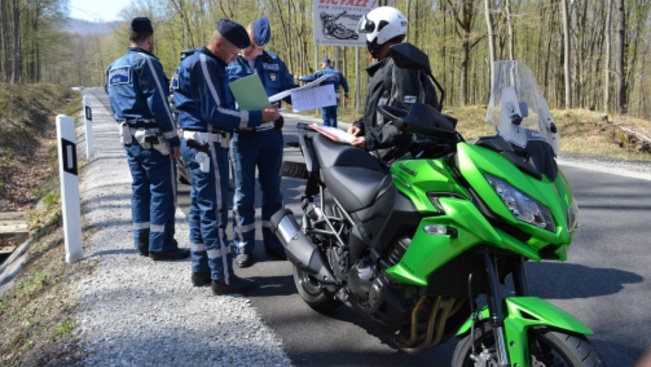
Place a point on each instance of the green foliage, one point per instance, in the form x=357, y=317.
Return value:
x=63, y=328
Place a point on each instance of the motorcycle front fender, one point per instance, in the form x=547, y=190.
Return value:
x=522, y=313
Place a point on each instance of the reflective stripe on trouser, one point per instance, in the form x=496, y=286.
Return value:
x=329, y=116
x=153, y=197
x=209, y=212
x=263, y=149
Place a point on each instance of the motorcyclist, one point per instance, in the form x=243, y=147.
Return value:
x=389, y=85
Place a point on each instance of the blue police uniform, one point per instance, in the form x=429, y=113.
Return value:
x=207, y=116
x=262, y=147
x=137, y=89
x=329, y=114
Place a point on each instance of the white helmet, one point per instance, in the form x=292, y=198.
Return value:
x=381, y=25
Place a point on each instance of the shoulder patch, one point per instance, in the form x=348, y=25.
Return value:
x=119, y=75
x=410, y=99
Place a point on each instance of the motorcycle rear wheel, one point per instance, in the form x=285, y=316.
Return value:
x=547, y=348
x=314, y=295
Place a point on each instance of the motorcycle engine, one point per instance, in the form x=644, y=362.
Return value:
x=360, y=279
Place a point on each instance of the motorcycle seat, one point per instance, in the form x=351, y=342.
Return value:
x=352, y=175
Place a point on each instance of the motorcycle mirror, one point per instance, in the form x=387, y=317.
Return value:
x=408, y=56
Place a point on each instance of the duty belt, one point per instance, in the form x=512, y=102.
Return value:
x=262, y=127
x=206, y=137
x=134, y=121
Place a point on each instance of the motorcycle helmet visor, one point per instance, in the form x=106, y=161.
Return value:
x=365, y=25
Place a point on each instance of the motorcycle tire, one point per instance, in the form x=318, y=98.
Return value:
x=316, y=297
x=547, y=347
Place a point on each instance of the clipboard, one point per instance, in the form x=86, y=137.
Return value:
x=249, y=93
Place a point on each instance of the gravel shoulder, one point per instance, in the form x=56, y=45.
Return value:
x=136, y=312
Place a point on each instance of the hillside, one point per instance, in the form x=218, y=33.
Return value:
x=84, y=27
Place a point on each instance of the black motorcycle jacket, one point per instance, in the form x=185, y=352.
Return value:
x=395, y=87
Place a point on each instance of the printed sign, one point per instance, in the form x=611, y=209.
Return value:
x=335, y=21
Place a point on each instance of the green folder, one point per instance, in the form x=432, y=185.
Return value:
x=249, y=93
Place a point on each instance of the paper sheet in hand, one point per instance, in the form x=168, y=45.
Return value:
x=308, y=99
x=249, y=93
x=310, y=96
x=334, y=133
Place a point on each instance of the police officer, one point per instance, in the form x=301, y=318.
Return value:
x=137, y=89
x=207, y=116
x=337, y=78
x=389, y=85
x=261, y=147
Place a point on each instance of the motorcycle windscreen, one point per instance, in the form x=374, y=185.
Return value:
x=517, y=110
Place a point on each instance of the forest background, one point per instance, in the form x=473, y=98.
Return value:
x=590, y=54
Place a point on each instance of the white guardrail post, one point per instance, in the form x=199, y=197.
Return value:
x=88, y=123
x=69, y=188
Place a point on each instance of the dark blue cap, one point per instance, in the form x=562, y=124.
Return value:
x=261, y=31
x=234, y=33
x=140, y=25
x=325, y=60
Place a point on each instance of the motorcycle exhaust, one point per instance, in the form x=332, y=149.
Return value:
x=301, y=251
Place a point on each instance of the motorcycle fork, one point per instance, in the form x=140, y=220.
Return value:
x=494, y=299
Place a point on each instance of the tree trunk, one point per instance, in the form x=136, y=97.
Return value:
x=607, y=57
x=620, y=58
x=5, y=42
x=15, y=72
x=509, y=22
x=566, y=52
x=491, y=40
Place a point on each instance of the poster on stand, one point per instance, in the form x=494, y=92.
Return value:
x=335, y=21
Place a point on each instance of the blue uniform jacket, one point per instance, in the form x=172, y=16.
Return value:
x=138, y=89
x=341, y=80
x=202, y=95
x=272, y=71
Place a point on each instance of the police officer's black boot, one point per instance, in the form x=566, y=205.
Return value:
x=143, y=243
x=235, y=285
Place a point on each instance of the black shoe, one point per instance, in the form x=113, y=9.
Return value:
x=143, y=243
x=244, y=260
x=276, y=253
x=235, y=285
x=201, y=279
x=179, y=253
x=144, y=250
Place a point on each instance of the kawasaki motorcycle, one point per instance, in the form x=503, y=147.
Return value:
x=437, y=246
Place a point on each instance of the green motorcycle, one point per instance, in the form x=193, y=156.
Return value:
x=426, y=250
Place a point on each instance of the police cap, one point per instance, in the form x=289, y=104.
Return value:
x=234, y=33
x=140, y=25
x=261, y=31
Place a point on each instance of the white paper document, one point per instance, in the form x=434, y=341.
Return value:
x=334, y=133
x=310, y=96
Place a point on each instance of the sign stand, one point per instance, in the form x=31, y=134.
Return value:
x=68, y=176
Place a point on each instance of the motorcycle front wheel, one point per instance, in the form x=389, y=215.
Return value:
x=546, y=347
x=312, y=293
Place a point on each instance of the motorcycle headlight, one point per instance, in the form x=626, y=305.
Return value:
x=521, y=205
x=572, y=215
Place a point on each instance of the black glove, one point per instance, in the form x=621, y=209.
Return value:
x=278, y=124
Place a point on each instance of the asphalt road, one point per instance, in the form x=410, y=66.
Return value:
x=605, y=282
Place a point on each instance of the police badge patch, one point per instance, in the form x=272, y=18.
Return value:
x=120, y=75
x=410, y=99
x=272, y=76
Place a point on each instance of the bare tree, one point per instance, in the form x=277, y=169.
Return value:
x=607, y=56
x=566, y=53
x=620, y=59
